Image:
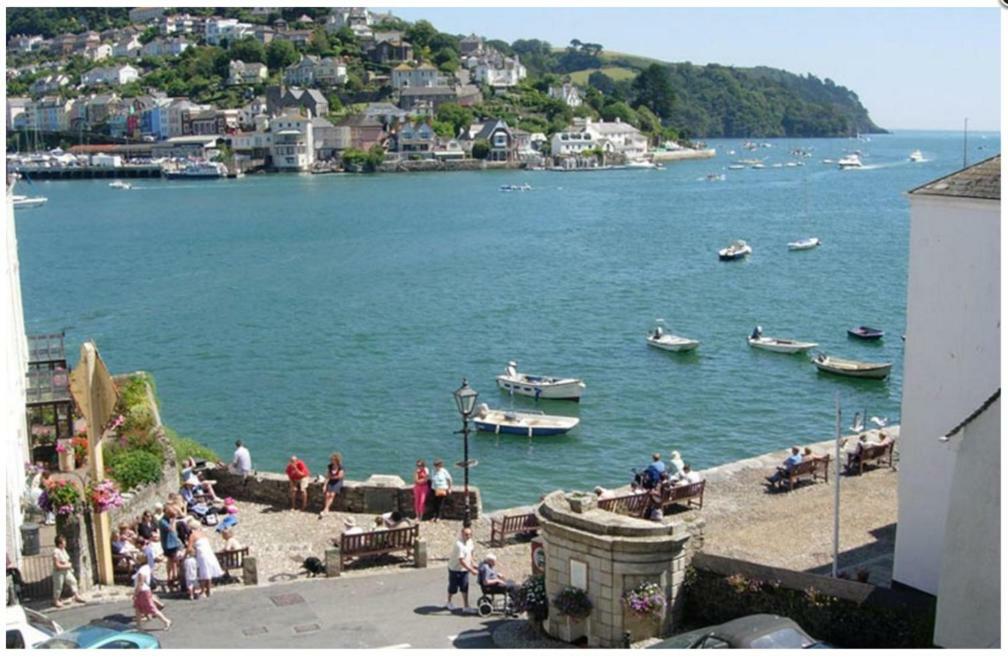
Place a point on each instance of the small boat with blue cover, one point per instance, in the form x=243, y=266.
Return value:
x=524, y=423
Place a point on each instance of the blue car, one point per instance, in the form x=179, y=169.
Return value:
x=101, y=635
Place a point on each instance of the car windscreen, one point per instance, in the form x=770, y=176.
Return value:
x=42, y=623
x=782, y=638
x=58, y=643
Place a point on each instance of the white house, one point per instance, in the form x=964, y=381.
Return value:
x=571, y=142
x=424, y=75
x=128, y=46
x=242, y=73
x=947, y=535
x=499, y=72
x=293, y=144
x=313, y=70
x=164, y=47
x=112, y=75
x=216, y=30
x=97, y=53
x=25, y=43
x=616, y=137
x=567, y=93
x=14, y=350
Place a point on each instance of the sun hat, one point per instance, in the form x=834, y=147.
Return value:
x=349, y=522
x=491, y=557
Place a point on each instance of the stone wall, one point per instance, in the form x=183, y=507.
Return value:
x=376, y=495
x=619, y=552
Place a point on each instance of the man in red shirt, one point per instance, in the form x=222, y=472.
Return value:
x=297, y=473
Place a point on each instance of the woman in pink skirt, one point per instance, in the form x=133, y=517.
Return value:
x=143, y=598
x=421, y=485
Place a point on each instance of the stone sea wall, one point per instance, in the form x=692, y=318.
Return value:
x=376, y=495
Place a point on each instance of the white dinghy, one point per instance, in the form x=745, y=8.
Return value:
x=663, y=340
x=785, y=345
x=804, y=245
x=525, y=423
x=538, y=386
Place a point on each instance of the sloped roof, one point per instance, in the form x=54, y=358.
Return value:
x=489, y=127
x=979, y=181
x=426, y=91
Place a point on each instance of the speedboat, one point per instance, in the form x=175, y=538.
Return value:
x=736, y=166
x=865, y=333
x=515, y=188
x=641, y=164
x=537, y=386
x=916, y=156
x=120, y=185
x=851, y=368
x=670, y=342
x=22, y=201
x=736, y=250
x=525, y=423
x=802, y=245
x=195, y=170
x=851, y=161
x=714, y=177
x=785, y=345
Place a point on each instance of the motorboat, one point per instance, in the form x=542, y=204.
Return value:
x=714, y=177
x=803, y=245
x=917, y=156
x=850, y=161
x=640, y=164
x=670, y=342
x=851, y=368
x=865, y=333
x=120, y=185
x=736, y=166
x=22, y=201
x=736, y=250
x=828, y=161
x=195, y=170
x=784, y=345
x=524, y=423
x=515, y=188
x=537, y=386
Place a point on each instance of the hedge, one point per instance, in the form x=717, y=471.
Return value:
x=714, y=599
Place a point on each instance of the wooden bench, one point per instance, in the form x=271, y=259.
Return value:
x=377, y=542
x=630, y=504
x=878, y=452
x=227, y=560
x=506, y=526
x=810, y=467
x=687, y=492
x=123, y=568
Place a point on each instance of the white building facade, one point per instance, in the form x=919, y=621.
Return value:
x=293, y=144
x=951, y=366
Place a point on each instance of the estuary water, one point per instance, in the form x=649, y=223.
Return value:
x=308, y=314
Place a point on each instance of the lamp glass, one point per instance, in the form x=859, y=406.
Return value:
x=465, y=399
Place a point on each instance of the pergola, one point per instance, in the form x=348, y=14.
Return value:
x=48, y=382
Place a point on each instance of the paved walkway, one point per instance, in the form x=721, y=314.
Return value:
x=401, y=610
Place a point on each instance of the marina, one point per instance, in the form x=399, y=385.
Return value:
x=428, y=291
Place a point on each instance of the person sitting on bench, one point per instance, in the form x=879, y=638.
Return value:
x=792, y=460
x=492, y=582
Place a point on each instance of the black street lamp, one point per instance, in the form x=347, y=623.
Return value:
x=465, y=400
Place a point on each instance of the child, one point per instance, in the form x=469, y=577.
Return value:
x=189, y=567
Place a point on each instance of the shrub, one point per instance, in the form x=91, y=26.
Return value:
x=139, y=417
x=132, y=468
x=714, y=599
x=186, y=447
x=573, y=602
x=532, y=598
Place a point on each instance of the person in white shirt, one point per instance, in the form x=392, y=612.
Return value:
x=690, y=476
x=242, y=462
x=143, y=598
x=675, y=466
x=460, y=565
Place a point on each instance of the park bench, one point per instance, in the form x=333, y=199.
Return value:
x=630, y=504
x=505, y=526
x=227, y=560
x=809, y=468
x=377, y=542
x=877, y=452
x=686, y=492
x=123, y=568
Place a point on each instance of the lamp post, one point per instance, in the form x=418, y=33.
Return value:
x=465, y=400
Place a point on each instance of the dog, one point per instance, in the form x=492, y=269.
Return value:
x=314, y=566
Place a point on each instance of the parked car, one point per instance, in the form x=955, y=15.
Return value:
x=752, y=632
x=26, y=629
x=101, y=635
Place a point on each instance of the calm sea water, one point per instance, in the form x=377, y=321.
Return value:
x=307, y=314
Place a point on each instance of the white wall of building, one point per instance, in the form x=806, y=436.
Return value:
x=13, y=366
x=951, y=364
x=969, y=593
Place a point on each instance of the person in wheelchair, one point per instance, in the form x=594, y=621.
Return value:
x=492, y=583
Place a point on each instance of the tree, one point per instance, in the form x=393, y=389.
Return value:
x=653, y=87
x=420, y=34
x=281, y=54
x=480, y=149
x=148, y=35
x=318, y=44
x=619, y=110
x=248, y=50
x=447, y=60
x=457, y=116
x=602, y=82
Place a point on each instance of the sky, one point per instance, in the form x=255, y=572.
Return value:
x=912, y=68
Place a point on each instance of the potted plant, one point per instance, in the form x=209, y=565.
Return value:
x=644, y=611
x=532, y=600
x=80, y=449
x=63, y=498
x=65, y=453
x=574, y=604
x=105, y=496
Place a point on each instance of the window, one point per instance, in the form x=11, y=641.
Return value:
x=120, y=644
x=713, y=642
x=15, y=640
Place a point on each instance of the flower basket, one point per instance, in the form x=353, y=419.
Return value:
x=80, y=449
x=65, y=452
x=105, y=496
x=645, y=600
x=64, y=499
x=573, y=602
x=532, y=599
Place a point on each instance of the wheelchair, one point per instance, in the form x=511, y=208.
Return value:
x=495, y=599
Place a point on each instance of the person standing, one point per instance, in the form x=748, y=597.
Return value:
x=62, y=574
x=421, y=485
x=207, y=566
x=143, y=597
x=441, y=482
x=298, y=475
x=334, y=481
x=170, y=543
x=460, y=565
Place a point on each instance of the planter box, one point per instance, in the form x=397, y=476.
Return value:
x=570, y=630
x=641, y=627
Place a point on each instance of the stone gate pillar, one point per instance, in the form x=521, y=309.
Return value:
x=608, y=554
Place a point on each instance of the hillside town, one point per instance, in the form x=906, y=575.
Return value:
x=387, y=103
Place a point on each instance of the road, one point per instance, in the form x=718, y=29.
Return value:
x=401, y=610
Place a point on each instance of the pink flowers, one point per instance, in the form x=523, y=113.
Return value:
x=105, y=496
x=61, y=448
x=117, y=422
x=645, y=599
